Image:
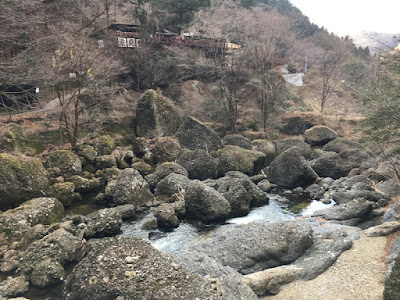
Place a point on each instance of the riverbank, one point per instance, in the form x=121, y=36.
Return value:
x=358, y=273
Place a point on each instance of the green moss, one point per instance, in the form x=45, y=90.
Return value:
x=105, y=145
x=63, y=192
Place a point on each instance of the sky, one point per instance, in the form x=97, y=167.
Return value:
x=349, y=17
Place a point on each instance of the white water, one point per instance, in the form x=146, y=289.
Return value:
x=179, y=238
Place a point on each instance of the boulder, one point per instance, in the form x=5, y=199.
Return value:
x=330, y=164
x=392, y=287
x=63, y=192
x=65, y=160
x=290, y=170
x=285, y=144
x=17, y=222
x=350, y=151
x=205, y=204
x=156, y=116
x=21, y=179
x=84, y=185
x=60, y=245
x=166, y=216
x=195, y=135
x=295, y=125
x=128, y=188
x=319, y=135
x=128, y=268
x=390, y=188
x=241, y=193
x=13, y=287
x=105, y=161
x=227, y=281
x=102, y=223
x=143, y=168
x=166, y=149
x=270, y=280
x=383, y=229
x=163, y=171
x=104, y=145
x=172, y=184
x=47, y=273
x=234, y=158
x=198, y=163
x=88, y=152
x=355, y=210
x=254, y=247
x=237, y=140
x=266, y=147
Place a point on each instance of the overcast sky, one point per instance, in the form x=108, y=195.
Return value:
x=353, y=16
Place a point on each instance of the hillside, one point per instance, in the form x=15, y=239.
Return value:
x=376, y=42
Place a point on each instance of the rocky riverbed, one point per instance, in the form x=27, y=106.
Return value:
x=180, y=213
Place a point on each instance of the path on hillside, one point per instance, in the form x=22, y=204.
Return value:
x=357, y=274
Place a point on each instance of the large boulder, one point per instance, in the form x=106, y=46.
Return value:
x=126, y=268
x=128, y=188
x=63, y=192
x=354, y=212
x=47, y=273
x=16, y=222
x=285, y=144
x=392, y=287
x=13, y=287
x=198, y=163
x=60, y=245
x=165, y=149
x=234, y=158
x=253, y=247
x=319, y=135
x=65, y=160
x=241, y=193
x=195, y=135
x=163, y=171
x=156, y=116
x=85, y=185
x=266, y=147
x=104, y=145
x=291, y=170
x=205, y=204
x=172, y=184
x=21, y=179
x=331, y=164
x=237, y=140
x=102, y=223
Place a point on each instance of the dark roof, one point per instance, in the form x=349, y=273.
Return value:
x=124, y=27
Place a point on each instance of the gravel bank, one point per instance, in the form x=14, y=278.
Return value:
x=357, y=274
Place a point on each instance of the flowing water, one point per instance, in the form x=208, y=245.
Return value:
x=179, y=238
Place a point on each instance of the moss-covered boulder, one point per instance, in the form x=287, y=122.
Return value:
x=284, y=144
x=67, y=161
x=143, y=168
x=16, y=222
x=319, y=135
x=88, y=152
x=199, y=163
x=21, y=179
x=156, y=116
x=193, y=135
x=84, y=185
x=104, y=145
x=63, y=192
x=234, y=158
x=47, y=273
x=105, y=161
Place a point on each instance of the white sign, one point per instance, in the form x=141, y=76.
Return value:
x=101, y=43
x=122, y=43
x=131, y=42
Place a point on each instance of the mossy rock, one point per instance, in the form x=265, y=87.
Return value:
x=319, y=135
x=85, y=185
x=143, y=168
x=165, y=149
x=392, y=283
x=88, y=152
x=16, y=139
x=233, y=158
x=63, y=192
x=156, y=116
x=67, y=161
x=104, y=145
x=16, y=222
x=21, y=179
